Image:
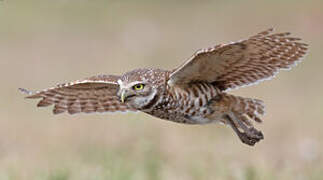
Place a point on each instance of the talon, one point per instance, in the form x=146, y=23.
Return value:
x=254, y=133
x=251, y=135
x=245, y=138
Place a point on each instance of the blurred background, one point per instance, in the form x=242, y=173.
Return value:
x=44, y=42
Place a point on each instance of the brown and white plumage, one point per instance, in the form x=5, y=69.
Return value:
x=193, y=93
x=241, y=63
x=94, y=94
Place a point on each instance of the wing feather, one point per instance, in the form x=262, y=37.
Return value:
x=94, y=94
x=241, y=63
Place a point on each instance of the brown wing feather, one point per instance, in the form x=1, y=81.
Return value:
x=94, y=94
x=241, y=63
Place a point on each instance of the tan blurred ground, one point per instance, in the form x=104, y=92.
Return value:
x=47, y=42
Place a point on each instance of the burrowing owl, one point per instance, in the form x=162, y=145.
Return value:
x=193, y=93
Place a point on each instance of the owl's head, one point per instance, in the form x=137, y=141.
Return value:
x=139, y=88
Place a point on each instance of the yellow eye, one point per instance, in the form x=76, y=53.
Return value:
x=138, y=87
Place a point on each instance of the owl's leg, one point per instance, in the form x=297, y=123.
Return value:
x=238, y=113
x=249, y=136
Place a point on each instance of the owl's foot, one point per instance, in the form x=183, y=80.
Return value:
x=249, y=136
x=252, y=137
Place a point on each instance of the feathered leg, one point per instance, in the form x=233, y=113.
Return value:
x=238, y=113
x=249, y=136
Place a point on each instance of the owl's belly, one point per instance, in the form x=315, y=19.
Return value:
x=180, y=117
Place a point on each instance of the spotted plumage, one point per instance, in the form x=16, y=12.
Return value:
x=193, y=93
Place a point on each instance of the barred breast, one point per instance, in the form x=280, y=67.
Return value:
x=185, y=104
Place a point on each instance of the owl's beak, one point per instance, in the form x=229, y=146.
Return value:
x=124, y=94
x=122, y=97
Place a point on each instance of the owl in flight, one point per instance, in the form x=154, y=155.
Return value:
x=193, y=93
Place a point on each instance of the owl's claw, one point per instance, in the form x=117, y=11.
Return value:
x=254, y=133
x=250, y=139
x=250, y=136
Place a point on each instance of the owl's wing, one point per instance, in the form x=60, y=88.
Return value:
x=229, y=66
x=94, y=94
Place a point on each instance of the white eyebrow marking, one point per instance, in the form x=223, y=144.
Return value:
x=124, y=86
x=135, y=82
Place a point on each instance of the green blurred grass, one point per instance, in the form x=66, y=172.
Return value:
x=47, y=42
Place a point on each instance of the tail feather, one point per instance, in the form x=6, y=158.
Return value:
x=245, y=109
x=253, y=108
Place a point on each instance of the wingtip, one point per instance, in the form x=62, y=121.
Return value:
x=271, y=29
x=264, y=33
x=25, y=91
x=30, y=94
x=268, y=31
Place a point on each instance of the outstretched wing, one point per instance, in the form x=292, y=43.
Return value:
x=94, y=94
x=229, y=66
